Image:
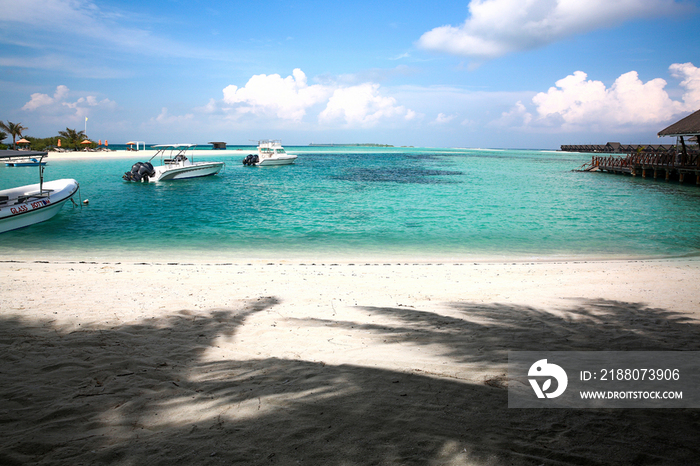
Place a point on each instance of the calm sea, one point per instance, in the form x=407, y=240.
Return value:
x=354, y=203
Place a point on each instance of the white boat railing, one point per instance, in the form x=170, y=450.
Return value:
x=9, y=154
x=178, y=157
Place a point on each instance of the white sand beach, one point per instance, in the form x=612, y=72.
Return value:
x=328, y=363
x=141, y=154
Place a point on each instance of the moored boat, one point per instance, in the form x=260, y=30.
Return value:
x=24, y=162
x=26, y=205
x=270, y=152
x=175, y=165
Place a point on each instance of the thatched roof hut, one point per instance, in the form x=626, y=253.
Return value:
x=688, y=126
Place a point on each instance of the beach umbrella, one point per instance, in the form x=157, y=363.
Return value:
x=59, y=142
x=87, y=141
x=106, y=143
x=99, y=143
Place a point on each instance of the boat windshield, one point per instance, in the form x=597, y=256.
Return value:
x=177, y=152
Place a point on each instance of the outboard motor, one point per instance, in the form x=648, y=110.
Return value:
x=251, y=159
x=140, y=171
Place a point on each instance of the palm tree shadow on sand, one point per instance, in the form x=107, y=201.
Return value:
x=149, y=393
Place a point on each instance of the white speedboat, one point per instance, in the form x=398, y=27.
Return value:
x=175, y=165
x=270, y=153
x=34, y=203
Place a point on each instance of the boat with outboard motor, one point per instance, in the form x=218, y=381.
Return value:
x=175, y=165
x=26, y=205
x=270, y=152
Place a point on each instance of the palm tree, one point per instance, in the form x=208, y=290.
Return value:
x=15, y=129
x=73, y=138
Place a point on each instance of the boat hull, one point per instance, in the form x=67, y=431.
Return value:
x=14, y=214
x=270, y=153
x=196, y=170
x=29, y=164
x=287, y=160
x=25, y=163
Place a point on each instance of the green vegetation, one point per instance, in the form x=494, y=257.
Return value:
x=71, y=139
x=15, y=130
x=42, y=144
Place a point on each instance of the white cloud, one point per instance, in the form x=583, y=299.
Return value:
x=582, y=102
x=442, y=118
x=38, y=100
x=578, y=103
x=42, y=100
x=517, y=116
x=291, y=98
x=210, y=108
x=61, y=92
x=362, y=105
x=400, y=56
x=287, y=98
x=46, y=10
x=691, y=82
x=71, y=17
x=95, y=24
x=498, y=27
x=165, y=118
x=59, y=100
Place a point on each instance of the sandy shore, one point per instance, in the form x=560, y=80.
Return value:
x=288, y=363
x=140, y=155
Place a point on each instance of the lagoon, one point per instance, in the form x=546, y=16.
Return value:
x=355, y=203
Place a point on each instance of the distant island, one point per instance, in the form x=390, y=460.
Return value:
x=350, y=145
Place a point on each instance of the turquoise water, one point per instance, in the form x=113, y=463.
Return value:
x=354, y=203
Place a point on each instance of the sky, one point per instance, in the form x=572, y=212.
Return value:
x=477, y=74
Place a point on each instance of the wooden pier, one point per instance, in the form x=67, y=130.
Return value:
x=669, y=165
x=617, y=148
x=678, y=162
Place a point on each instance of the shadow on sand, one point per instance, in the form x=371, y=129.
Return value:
x=150, y=394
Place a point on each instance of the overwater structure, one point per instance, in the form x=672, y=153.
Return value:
x=679, y=161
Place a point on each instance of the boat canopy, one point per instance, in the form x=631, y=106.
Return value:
x=8, y=154
x=174, y=146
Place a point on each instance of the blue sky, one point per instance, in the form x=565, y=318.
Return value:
x=479, y=73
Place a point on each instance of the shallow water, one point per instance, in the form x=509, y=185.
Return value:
x=353, y=203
